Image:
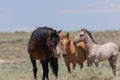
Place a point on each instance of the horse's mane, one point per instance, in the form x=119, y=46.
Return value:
x=41, y=33
x=89, y=33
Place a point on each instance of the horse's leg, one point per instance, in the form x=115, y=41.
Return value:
x=89, y=62
x=112, y=62
x=97, y=63
x=81, y=65
x=74, y=65
x=34, y=68
x=68, y=66
x=45, y=70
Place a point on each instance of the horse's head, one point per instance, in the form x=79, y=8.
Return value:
x=65, y=43
x=53, y=42
x=81, y=36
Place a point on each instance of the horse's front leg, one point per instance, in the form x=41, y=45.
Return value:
x=96, y=63
x=45, y=70
x=74, y=66
x=81, y=65
x=68, y=66
x=89, y=61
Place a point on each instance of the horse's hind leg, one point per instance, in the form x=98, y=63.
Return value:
x=45, y=70
x=112, y=62
x=34, y=68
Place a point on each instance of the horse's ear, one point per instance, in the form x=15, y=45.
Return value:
x=83, y=28
x=67, y=34
x=59, y=31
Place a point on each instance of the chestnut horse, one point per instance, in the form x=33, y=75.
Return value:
x=72, y=53
x=44, y=45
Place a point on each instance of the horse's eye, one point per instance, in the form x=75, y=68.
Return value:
x=81, y=35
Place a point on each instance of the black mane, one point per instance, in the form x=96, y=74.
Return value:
x=40, y=33
x=89, y=33
x=40, y=36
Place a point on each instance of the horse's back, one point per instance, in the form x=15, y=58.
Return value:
x=110, y=46
x=37, y=39
x=107, y=50
x=114, y=47
x=41, y=33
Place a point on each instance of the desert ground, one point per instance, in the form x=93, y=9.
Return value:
x=15, y=63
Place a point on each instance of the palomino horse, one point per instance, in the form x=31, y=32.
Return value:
x=72, y=53
x=98, y=53
x=44, y=45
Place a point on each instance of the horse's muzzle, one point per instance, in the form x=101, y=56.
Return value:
x=75, y=41
x=57, y=52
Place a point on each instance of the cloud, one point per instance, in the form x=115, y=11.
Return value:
x=102, y=6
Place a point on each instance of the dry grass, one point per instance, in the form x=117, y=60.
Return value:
x=15, y=63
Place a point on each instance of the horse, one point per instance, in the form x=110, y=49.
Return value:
x=97, y=53
x=44, y=45
x=72, y=53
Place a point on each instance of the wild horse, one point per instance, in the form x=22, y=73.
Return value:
x=98, y=53
x=45, y=46
x=72, y=53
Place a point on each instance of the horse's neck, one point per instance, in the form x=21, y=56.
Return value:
x=80, y=44
x=72, y=47
x=89, y=44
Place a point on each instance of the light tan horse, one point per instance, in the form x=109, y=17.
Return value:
x=98, y=53
x=72, y=53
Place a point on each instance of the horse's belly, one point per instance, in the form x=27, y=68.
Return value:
x=40, y=56
x=103, y=57
x=70, y=59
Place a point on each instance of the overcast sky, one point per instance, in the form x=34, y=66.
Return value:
x=68, y=15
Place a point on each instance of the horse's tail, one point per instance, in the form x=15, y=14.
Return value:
x=54, y=65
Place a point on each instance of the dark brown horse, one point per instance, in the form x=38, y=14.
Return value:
x=44, y=45
x=72, y=53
